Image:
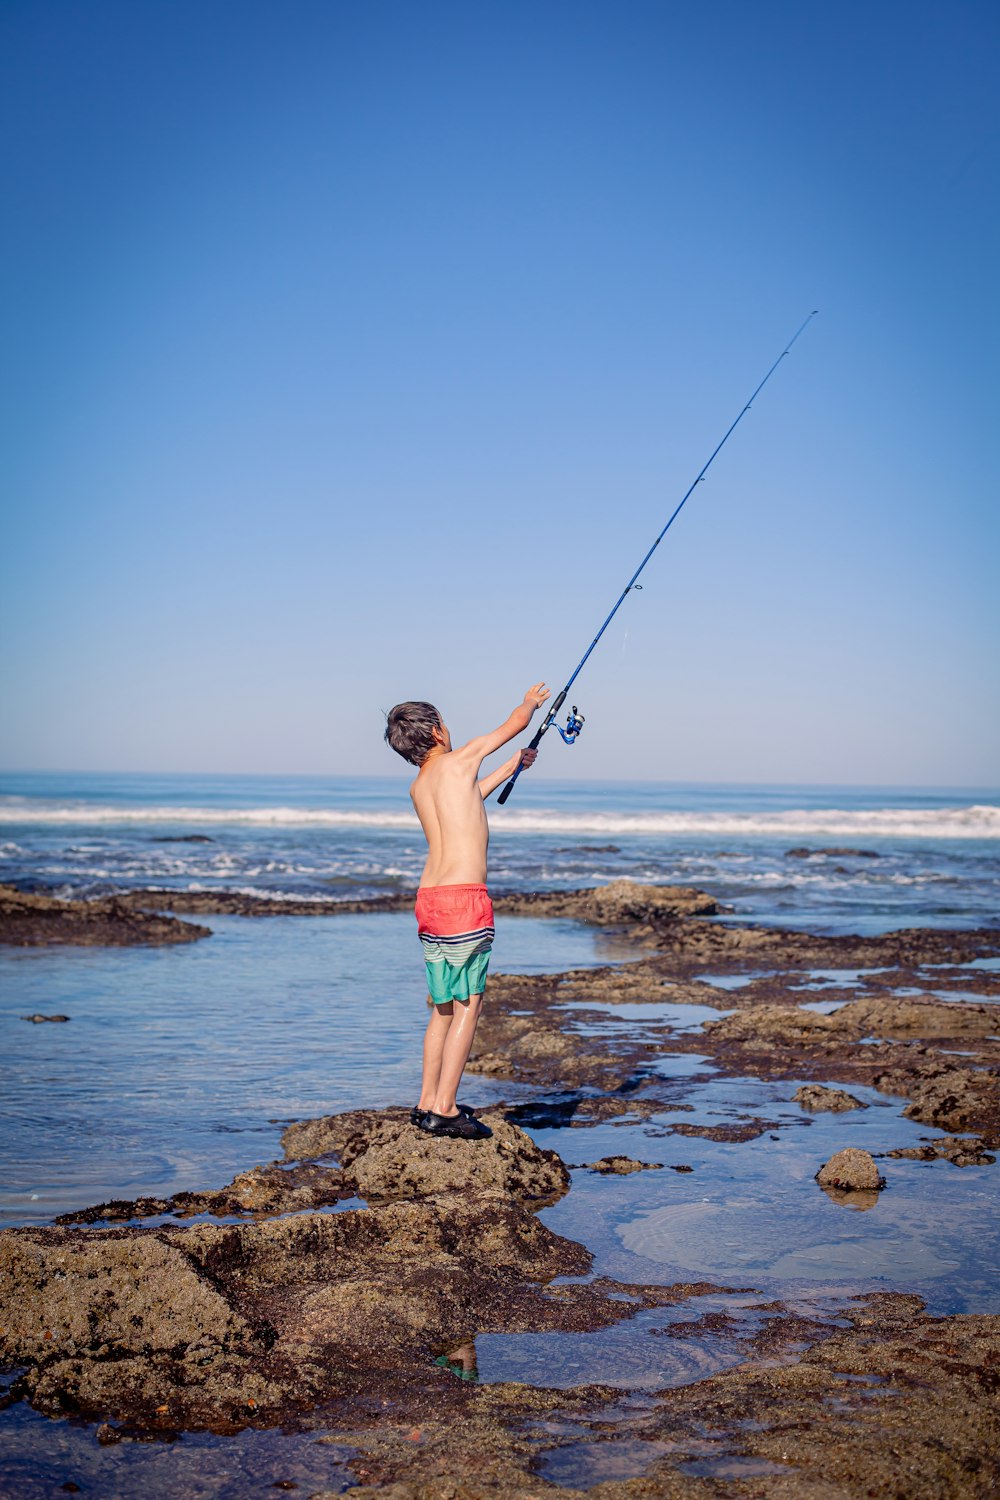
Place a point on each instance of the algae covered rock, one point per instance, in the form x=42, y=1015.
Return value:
x=818, y=1098
x=65, y=1292
x=852, y=1171
x=620, y=1166
x=29, y=920
x=385, y=1157
x=619, y=903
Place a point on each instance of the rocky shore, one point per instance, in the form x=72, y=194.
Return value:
x=341, y=1289
x=31, y=920
x=37, y=918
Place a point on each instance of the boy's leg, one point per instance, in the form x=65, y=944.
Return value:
x=455, y=1053
x=435, y=1036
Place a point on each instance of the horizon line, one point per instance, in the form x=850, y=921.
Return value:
x=911, y=786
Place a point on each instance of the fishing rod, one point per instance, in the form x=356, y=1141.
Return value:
x=575, y=720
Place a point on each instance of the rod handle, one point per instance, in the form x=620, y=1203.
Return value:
x=509, y=787
x=533, y=744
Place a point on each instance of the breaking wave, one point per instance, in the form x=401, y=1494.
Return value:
x=972, y=822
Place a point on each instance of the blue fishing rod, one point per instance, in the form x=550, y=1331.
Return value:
x=574, y=720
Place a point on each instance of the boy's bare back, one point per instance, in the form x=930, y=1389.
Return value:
x=448, y=797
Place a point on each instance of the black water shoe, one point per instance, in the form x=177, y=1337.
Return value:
x=460, y=1127
x=417, y=1114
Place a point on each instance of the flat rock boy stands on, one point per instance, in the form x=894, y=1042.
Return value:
x=454, y=911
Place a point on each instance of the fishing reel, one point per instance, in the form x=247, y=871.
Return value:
x=574, y=723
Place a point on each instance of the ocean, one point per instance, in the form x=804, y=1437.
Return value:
x=179, y=1065
x=904, y=856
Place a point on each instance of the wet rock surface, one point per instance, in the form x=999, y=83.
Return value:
x=815, y=1097
x=313, y=1313
x=211, y=1324
x=384, y=1157
x=960, y=1150
x=28, y=920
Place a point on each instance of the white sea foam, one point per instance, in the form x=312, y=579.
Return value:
x=971, y=822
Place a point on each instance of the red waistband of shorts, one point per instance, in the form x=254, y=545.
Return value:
x=479, y=886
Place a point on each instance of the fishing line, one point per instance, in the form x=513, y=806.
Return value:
x=574, y=720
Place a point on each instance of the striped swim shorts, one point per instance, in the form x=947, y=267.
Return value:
x=455, y=926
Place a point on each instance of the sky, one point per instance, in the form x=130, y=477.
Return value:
x=356, y=351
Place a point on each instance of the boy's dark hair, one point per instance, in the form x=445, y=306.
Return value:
x=409, y=730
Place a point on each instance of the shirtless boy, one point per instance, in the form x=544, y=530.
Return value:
x=454, y=911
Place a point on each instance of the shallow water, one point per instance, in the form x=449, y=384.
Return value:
x=180, y=1065
x=41, y=1457
x=750, y=1214
x=629, y=1355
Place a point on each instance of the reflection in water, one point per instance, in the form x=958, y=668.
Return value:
x=786, y=1239
x=859, y=1198
x=628, y=1355
x=461, y=1360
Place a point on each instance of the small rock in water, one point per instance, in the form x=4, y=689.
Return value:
x=38, y=1019
x=816, y=1097
x=183, y=838
x=619, y=1166
x=852, y=1171
x=837, y=851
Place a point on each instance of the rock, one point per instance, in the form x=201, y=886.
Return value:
x=620, y=1166
x=816, y=1097
x=39, y=1019
x=619, y=903
x=181, y=1327
x=31, y=921
x=779, y=1022
x=835, y=851
x=917, y=1016
x=950, y=1098
x=182, y=838
x=66, y=1292
x=384, y=1157
x=852, y=1171
x=961, y=1151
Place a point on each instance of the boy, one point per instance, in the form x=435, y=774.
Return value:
x=454, y=911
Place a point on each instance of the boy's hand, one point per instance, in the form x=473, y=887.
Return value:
x=525, y=759
x=536, y=696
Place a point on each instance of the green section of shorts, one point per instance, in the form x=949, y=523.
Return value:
x=445, y=982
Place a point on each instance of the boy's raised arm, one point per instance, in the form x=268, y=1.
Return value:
x=516, y=723
x=521, y=759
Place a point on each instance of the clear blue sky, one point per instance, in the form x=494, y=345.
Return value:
x=356, y=351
